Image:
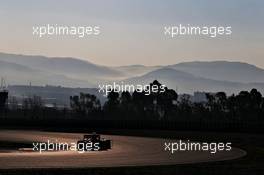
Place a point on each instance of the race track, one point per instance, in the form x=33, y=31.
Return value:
x=127, y=151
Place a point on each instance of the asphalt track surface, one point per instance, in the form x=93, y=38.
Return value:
x=127, y=151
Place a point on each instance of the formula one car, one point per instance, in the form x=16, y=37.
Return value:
x=93, y=142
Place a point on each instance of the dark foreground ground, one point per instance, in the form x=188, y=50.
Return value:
x=251, y=164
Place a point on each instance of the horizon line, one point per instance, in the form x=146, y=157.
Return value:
x=113, y=66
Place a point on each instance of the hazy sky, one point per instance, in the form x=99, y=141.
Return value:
x=132, y=30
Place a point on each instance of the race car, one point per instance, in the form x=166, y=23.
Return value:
x=93, y=142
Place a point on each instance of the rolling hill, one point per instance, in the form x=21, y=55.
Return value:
x=70, y=67
x=22, y=75
x=188, y=83
x=223, y=70
x=186, y=77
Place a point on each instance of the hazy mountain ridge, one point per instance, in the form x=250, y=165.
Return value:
x=70, y=67
x=188, y=83
x=186, y=77
x=223, y=70
x=22, y=75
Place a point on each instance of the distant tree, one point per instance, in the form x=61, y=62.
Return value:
x=3, y=99
x=221, y=102
x=166, y=102
x=111, y=107
x=33, y=106
x=126, y=106
x=85, y=104
x=3, y=104
x=185, y=106
x=256, y=104
x=256, y=99
x=125, y=98
x=13, y=103
x=113, y=98
x=232, y=106
x=75, y=104
x=210, y=101
x=243, y=104
x=34, y=102
x=139, y=104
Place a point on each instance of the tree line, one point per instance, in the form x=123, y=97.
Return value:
x=137, y=110
x=167, y=105
x=157, y=106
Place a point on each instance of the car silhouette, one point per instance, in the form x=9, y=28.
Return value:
x=93, y=142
